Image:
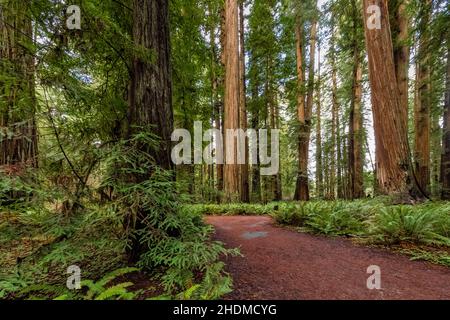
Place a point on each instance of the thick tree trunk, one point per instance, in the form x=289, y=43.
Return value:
x=400, y=34
x=355, y=155
x=301, y=189
x=151, y=81
x=304, y=115
x=391, y=140
x=231, y=112
x=356, y=135
x=244, y=172
x=445, y=162
x=422, y=125
x=151, y=89
x=18, y=132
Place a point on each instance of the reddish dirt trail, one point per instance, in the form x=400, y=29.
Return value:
x=284, y=264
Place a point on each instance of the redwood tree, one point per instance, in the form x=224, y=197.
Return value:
x=18, y=133
x=231, y=103
x=422, y=123
x=150, y=105
x=445, y=163
x=392, y=162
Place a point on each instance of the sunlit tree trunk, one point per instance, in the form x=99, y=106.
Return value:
x=18, y=132
x=231, y=105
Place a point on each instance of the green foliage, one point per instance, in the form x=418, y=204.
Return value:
x=292, y=214
x=393, y=225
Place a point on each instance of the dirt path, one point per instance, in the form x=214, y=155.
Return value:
x=283, y=264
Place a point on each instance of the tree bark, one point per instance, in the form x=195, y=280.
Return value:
x=304, y=114
x=422, y=124
x=391, y=141
x=445, y=162
x=151, y=90
x=335, y=141
x=355, y=156
x=244, y=172
x=231, y=112
x=319, y=167
x=151, y=81
x=400, y=32
x=18, y=132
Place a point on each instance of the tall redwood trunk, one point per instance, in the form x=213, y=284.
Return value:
x=356, y=182
x=304, y=113
x=18, y=132
x=244, y=172
x=391, y=141
x=335, y=141
x=445, y=162
x=151, y=91
x=422, y=123
x=319, y=167
x=400, y=33
x=355, y=155
x=231, y=105
x=151, y=81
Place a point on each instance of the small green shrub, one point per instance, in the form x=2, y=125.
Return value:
x=291, y=214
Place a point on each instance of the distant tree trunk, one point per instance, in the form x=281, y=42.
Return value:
x=304, y=117
x=215, y=120
x=231, y=112
x=18, y=132
x=220, y=104
x=445, y=162
x=422, y=127
x=391, y=142
x=256, y=179
x=319, y=167
x=335, y=141
x=301, y=189
x=151, y=89
x=244, y=174
x=436, y=152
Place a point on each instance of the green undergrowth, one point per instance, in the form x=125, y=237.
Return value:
x=371, y=221
x=48, y=230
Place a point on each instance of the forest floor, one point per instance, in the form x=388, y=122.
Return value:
x=279, y=263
